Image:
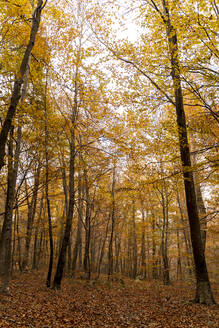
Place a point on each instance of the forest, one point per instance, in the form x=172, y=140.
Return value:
x=109, y=128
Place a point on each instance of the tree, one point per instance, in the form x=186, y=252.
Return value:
x=203, y=289
x=16, y=93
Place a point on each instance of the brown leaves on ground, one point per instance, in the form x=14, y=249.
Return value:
x=99, y=304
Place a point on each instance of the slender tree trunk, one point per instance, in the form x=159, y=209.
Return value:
x=143, y=257
x=187, y=243
x=16, y=93
x=34, y=265
x=68, y=269
x=93, y=251
x=78, y=240
x=30, y=218
x=179, y=260
x=164, y=249
x=65, y=187
x=134, y=241
x=154, y=262
x=49, y=274
x=87, y=228
x=110, y=251
x=71, y=201
x=13, y=261
x=18, y=238
x=117, y=250
x=7, y=224
x=6, y=235
x=103, y=248
x=200, y=203
x=203, y=290
x=39, y=252
x=65, y=240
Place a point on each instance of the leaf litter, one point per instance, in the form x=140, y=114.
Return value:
x=102, y=304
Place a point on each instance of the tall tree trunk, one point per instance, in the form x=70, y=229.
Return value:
x=164, y=239
x=48, y=279
x=71, y=198
x=69, y=263
x=110, y=251
x=203, y=290
x=30, y=217
x=154, y=262
x=16, y=93
x=200, y=203
x=13, y=261
x=179, y=261
x=185, y=234
x=87, y=228
x=117, y=250
x=65, y=187
x=93, y=251
x=6, y=235
x=35, y=250
x=78, y=240
x=143, y=254
x=103, y=247
x=18, y=237
x=134, y=243
x=7, y=224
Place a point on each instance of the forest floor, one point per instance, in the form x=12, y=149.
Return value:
x=102, y=304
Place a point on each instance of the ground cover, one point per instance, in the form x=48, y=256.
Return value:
x=102, y=304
